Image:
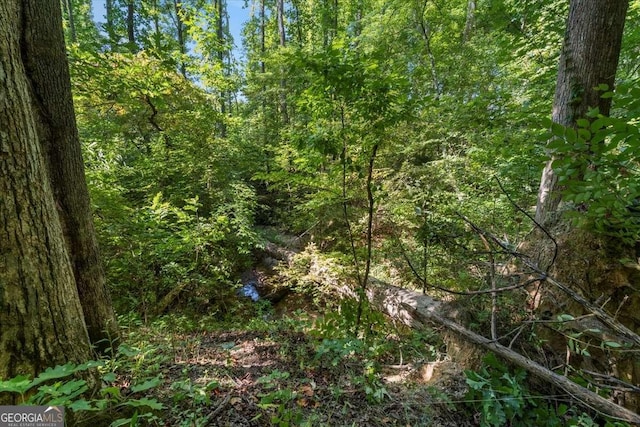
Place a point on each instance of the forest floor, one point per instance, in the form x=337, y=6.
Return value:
x=274, y=370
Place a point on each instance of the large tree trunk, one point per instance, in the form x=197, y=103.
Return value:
x=589, y=57
x=41, y=320
x=589, y=263
x=46, y=67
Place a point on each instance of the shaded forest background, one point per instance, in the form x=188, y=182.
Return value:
x=392, y=137
x=411, y=111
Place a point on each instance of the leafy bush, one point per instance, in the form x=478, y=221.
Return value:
x=63, y=385
x=502, y=398
x=163, y=247
x=597, y=165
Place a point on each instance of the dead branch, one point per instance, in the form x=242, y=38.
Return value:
x=416, y=310
x=578, y=392
x=625, y=333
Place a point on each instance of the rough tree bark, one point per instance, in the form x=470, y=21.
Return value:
x=46, y=68
x=589, y=263
x=41, y=320
x=589, y=57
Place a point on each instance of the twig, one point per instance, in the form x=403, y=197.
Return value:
x=619, y=328
x=623, y=386
x=494, y=294
x=533, y=220
x=219, y=408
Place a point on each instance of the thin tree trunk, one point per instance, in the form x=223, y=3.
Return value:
x=470, y=22
x=47, y=68
x=157, y=33
x=335, y=17
x=41, y=320
x=425, y=30
x=110, y=27
x=68, y=8
x=280, y=17
x=181, y=39
x=296, y=8
x=282, y=38
x=131, y=26
x=221, y=57
x=589, y=57
x=263, y=30
x=369, y=238
x=358, y=19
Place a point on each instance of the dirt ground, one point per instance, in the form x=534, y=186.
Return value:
x=255, y=378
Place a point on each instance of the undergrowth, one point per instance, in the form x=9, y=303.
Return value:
x=301, y=369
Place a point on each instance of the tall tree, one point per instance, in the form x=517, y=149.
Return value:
x=110, y=25
x=222, y=52
x=41, y=319
x=43, y=51
x=470, y=22
x=589, y=58
x=131, y=37
x=180, y=33
x=282, y=37
x=282, y=42
x=68, y=11
x=590, y=262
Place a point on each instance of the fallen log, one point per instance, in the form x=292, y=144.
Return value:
x=418, y=310
x=587, y=397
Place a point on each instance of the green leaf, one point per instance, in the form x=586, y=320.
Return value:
x=63, y=371
x=583, y=123
x=150, y=403
x=113, y=391
x=612, y=344
x=557, y=129
x=19, y=384
x=146, y=385
x=109, y=377
x=565, y=318
x=584, y=134
x=81, y=405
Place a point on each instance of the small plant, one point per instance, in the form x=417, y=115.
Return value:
x=191, y=401
x=60, y=386
x=279, y=400
x=499, y=395
x=502, y=399
x=373, y=387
